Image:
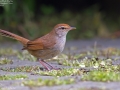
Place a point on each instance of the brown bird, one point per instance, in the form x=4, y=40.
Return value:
x=45, y=47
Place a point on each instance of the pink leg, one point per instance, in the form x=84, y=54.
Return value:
x=43, y=64
x=47, y=66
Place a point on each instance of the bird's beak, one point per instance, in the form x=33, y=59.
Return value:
x=73, y=28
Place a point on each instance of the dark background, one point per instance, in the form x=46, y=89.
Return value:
x=34, y=18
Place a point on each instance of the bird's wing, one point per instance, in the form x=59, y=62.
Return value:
x=39, y=44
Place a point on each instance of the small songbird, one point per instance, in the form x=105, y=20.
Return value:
x=45, y=47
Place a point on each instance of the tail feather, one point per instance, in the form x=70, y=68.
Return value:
x=14, y=36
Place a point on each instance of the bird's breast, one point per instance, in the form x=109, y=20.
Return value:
x=60, y=44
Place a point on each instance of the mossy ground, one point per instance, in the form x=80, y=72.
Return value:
x=96, y=65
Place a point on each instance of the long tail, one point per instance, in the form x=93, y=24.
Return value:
x=14, y=36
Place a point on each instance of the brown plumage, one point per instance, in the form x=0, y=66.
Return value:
x=14, y=36
x=46, y=46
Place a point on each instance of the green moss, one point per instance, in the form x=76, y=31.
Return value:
x=93, y=62
x=103, y=76
x=62, y=72
x=12, y=77
x=92, y=88
x=85, y=62
x=70, y=62
x=96, y=62
x=36, y=70
x=8, y=51
x=22, y=55
x=22, y=69
x=47, y=82
x=5, y=61
x=26, y=56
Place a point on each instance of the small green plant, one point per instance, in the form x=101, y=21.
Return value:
x=62, y=72
x=22, y=55
x=22, y=69
x=47, y=82
x=92, y=88
x=12, y=77
x=86, y=62
x=8, y=52
x=5, y=61
x=104, y=76
x=26, y=56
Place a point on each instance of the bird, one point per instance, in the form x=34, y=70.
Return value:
x=45, y=47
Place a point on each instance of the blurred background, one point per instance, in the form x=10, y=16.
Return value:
x=34, y=18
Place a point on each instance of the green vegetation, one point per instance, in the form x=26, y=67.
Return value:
x=103, y=76
x=5, y=61
x=102, y=68
x=22, y=55
x=92, y=88
x=47, y=82
x=62, y=72
x=87, y=62
x=8, y=52
x=23, y=21
x=12, y=77
x=22, y=69
x=36, y=70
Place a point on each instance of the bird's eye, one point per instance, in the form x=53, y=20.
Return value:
x=63, y=28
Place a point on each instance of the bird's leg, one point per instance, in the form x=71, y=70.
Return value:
x=46, y=65
x=43, y=64
x=49, y=65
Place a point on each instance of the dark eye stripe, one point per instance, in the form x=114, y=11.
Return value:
x=63, y=28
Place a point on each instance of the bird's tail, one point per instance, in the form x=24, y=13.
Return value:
x=14, y=36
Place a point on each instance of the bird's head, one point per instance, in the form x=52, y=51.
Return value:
x=62, y=29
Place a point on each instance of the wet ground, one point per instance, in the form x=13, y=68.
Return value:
x=72, y=47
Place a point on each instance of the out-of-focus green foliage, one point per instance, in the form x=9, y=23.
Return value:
x=47, y=10
x=19, y=18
